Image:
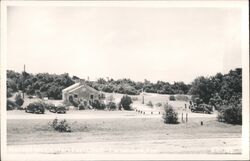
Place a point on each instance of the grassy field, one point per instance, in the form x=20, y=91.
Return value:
x=38, y=131
x=127, y=134
x=122, y=131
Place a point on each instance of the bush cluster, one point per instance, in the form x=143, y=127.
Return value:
x=150, y=104
x=172, y=98
x=125, y=102
x=231, y=114
x=111, y=106
x=170, y=116
x=159, y=104
x=98, y=105
x=19, y=100
x=61, y=126
x=11, y=105
x=9, y=92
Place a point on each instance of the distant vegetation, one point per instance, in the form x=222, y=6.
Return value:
x=127, y=86
x=51, y=85
x=170, y=116
x=223, y=91
x=150, y=104
x=41, y=85
x=125, y=102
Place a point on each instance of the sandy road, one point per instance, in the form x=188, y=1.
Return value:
x=179, y=146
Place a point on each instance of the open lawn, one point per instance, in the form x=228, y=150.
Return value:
x=120, y=135
x=122, y=131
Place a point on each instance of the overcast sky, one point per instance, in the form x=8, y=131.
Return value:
x=169, y=44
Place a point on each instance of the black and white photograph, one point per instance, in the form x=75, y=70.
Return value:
x=124, y=80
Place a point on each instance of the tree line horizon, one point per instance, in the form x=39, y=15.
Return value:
x=226, y=86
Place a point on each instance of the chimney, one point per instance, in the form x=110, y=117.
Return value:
x=82, y=81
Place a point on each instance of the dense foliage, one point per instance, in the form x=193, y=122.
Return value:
x=98, y=105
x=60, y=126
x=219, y=89
x=127, y=86
x=51, y=85
x=19, y=100
x=224, y=92
x=125, y=102
x=11, y=105
x=150, y=104
x=170, y=116
x=42, y=84
x=111, y=106
x=172, y=98
x=231, y=114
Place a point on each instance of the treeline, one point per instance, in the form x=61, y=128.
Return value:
x=218, y=90
x=51, y=85
x=224, y=92
x=42, y=84
x=215, y=90
x=127, y=86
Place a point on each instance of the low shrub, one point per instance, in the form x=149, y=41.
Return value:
x=125, y=102
x=75, y=103
x=98, y=105
x=111, y=106
x=172, y=98
x=159, y=104
x=231, y=114
x=60, y=126
x=150, y=104
x=170, y=116
x=84, y=105
x=19, y=100
x=11, y=105
x=9, y=92
x=81, y=106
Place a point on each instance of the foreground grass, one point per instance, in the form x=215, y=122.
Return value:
x=101, y=130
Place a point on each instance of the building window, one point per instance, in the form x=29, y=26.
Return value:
x=70, y=98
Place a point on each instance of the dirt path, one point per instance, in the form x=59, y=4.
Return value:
x=182, y=146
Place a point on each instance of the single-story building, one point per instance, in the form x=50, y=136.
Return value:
x=80, y=92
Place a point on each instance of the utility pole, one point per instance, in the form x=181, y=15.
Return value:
x=23, y=79
x=142, y=96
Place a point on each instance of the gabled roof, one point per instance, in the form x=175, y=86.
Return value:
x=71, y=87
x=76, y=86
x=72, y=90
